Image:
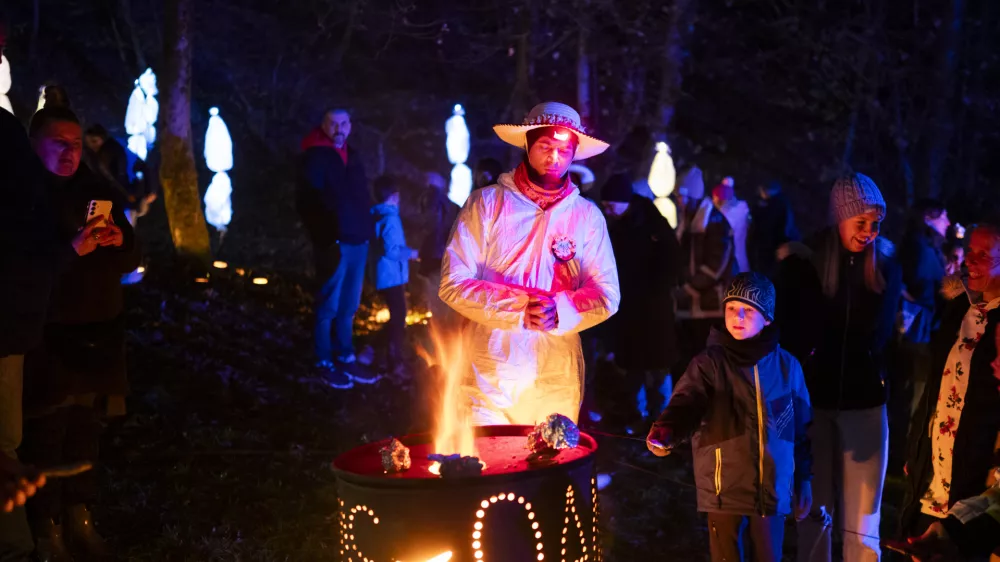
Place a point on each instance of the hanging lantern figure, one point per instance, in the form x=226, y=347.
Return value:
x=5, y=84
x=457, y=144
x=141, y=115
x=219, y=157
x=662, y=179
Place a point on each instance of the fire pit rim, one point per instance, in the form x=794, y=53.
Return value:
x=381, y=481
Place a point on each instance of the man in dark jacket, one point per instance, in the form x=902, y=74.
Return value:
x=923, y=263
x=334, y=202
x=439, y=214
x=641, y=336
x=952, y=448
x=773, y=224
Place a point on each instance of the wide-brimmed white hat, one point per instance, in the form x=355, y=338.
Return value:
x=552, y=114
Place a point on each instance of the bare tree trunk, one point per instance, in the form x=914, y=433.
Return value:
x=125, y=9
x=36, y=14
x=583, y=77
x=681, y=17
x=943, y=125
x=177, y=170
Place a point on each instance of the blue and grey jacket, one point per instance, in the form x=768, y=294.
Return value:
x=749, y=426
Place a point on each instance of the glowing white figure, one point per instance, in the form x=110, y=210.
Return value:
x=219, y=157
x=142, y=113
x=41, y=97
x=457, y=145
x=5, y=83
x=662, y=179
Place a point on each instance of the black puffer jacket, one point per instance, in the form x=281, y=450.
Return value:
x=840, y=340
x=751, y=446
x=31, y=253
x=973, y=455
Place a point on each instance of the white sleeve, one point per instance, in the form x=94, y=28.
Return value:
x=495, y=305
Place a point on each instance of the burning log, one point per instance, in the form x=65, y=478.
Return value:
x=557, y=432
x=457, y=466
x=395, y=456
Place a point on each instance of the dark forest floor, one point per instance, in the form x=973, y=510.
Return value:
x=225, y=453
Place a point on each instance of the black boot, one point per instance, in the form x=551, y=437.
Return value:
x=49, y=543
x=81, y=534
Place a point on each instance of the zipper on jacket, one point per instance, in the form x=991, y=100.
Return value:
x=843, y=344
x=760, y=436
x=718, y=475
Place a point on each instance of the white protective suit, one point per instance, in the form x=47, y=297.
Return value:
x=499, y=253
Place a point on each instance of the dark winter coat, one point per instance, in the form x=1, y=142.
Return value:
x=751, y=446
x=84, y=344
x=111, y=162
x=440, y=214
x=840, y=340
x=709, y=254
x=772, y=226
x=642, y=335
x=332, y=197
x=923, y=265
x=974, y=455
x=30, y=251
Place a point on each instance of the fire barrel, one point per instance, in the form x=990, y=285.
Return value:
x=515, y=511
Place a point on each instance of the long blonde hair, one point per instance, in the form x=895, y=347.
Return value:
x=827, y=264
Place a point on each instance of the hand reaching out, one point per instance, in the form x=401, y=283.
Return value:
x=19, y=483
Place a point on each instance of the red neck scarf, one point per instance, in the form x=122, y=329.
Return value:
x=542, y=197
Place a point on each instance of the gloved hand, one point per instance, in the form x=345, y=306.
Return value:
x=658, y=441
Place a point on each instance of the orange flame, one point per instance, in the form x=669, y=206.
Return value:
x=453, y=430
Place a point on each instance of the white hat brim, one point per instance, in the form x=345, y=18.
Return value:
x=516, y=135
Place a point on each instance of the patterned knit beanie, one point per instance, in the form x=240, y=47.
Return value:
x=854, y=195
x=753, y=289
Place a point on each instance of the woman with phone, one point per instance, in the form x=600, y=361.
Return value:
x=79, y=375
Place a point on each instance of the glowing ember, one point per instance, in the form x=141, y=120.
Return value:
x=260, y=281
x=220, y=264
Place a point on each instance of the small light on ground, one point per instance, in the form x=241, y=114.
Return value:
x=260, y=281
x=220, y=265
x=201, y=280
x=140, y=269
x=240, y=271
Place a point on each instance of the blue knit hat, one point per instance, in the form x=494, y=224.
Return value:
x=753, y=289
x=853, y=195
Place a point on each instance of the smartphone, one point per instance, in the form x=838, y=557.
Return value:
x=65, y=470
x=99, y=208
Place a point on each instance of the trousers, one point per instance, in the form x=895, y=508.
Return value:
x=850, y=452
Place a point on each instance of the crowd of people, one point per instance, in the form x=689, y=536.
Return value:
x=798, y=360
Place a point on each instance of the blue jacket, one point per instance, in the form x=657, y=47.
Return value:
x=749, y=421
x=391, y=254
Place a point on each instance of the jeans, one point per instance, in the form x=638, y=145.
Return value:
x=395, y=329
x=338, y=301
x=850, y=451
x=16, y=543
x=727, y=533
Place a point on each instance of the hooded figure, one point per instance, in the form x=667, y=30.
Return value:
x=530, y=264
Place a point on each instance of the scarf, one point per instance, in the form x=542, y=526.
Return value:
x=746, y=353
x=541, y=197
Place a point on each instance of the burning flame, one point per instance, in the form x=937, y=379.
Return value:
x=443, y=557
x=453, y=432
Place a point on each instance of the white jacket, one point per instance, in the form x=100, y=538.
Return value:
x=499, y=253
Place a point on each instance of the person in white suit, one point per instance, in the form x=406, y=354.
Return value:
x=530, y=264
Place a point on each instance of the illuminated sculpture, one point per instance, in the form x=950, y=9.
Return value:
x=662, y=178
x=5, y=84
x=219, y=157
x=457, y=145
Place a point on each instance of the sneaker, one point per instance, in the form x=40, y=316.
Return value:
x=348, y=359
x=367, y=356
x=361, y=374
x=333, y=377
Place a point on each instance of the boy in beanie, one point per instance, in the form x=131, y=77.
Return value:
x=744, y=399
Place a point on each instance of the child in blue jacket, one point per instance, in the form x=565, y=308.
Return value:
x=744, y=399
x=392, y=267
